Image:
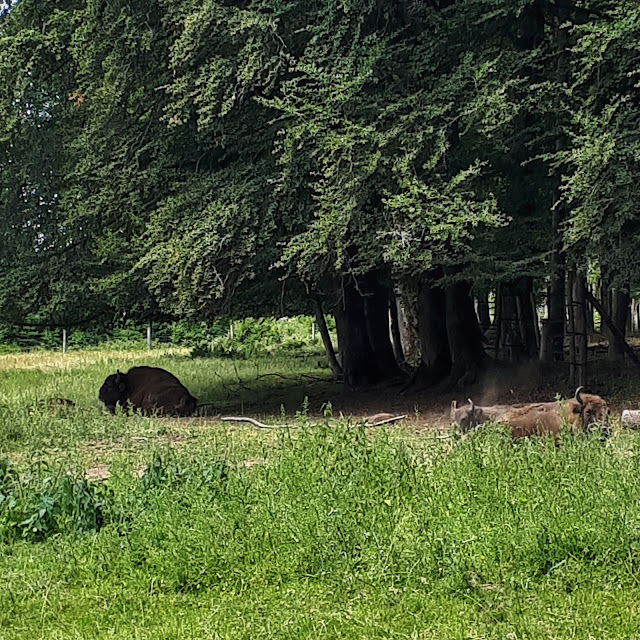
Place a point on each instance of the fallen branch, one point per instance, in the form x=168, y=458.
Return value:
x=298, y=379
x=377, y=423
x=261, y=425
x=277, y=375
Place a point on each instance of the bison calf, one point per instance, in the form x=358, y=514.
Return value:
x=150, y=390
x=471, y=415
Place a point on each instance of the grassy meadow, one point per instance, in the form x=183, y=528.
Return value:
x=210, y=530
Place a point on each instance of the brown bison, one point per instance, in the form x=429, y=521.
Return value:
x=150, y=390
x=471, y=416
x=580, y=413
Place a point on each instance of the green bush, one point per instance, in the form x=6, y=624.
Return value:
x=39, y=504
x=251, y=337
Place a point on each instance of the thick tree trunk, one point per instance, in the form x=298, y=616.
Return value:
x=359, y=364
x=376, y=311
x=362, y=323
x=528, y=317
x=619, y=312
x=464, y=336
x=519, y=319
x=511, y=345
x=435, y=362
x=483, y=312
x=553, y=349
x=334, y=365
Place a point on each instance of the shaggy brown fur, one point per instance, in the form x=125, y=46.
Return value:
x=470, y=416
x=580, y=413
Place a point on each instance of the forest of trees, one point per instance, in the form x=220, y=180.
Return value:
x=167, y=160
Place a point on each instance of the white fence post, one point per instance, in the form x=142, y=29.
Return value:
x=149, y=337
x=64, y=341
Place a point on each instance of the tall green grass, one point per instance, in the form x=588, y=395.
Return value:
x=205, y=530
x=347, y=534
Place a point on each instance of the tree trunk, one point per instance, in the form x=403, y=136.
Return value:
x=464, y=336
x=406, y=294
x=359, y=364
x=483, y=312
x=497, y=322
x=619, y=312
x=571, y=326
x=396, y=338
x=528, y=317
x=580, y=328
x=554, y=349
x=376, y=311
x=519, y=321
x=435, y=362
x=589, y=315
x=334, y=365
x=510, y=339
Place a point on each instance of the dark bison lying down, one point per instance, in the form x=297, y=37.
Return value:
x=580, y=413
x=150, y=390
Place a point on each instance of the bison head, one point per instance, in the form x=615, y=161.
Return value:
x=467, y=417
x=114, y=391
x=592, y=409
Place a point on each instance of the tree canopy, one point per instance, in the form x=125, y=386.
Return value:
x=183, y=160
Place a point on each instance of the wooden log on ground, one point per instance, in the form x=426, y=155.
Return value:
x=631, y=418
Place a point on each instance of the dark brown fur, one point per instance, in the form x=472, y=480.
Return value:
x=150, y=390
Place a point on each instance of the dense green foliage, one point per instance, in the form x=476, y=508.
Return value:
x=224, y=337
x=162, y=159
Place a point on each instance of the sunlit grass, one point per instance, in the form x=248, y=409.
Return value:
x=210, y=530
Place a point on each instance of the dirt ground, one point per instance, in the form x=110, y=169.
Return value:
x=425, y=409
x=429, y=408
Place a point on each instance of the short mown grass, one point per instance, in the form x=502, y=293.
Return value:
x=332, y=531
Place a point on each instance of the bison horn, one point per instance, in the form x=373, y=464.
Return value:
x=578, y=398
x=473, y=406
